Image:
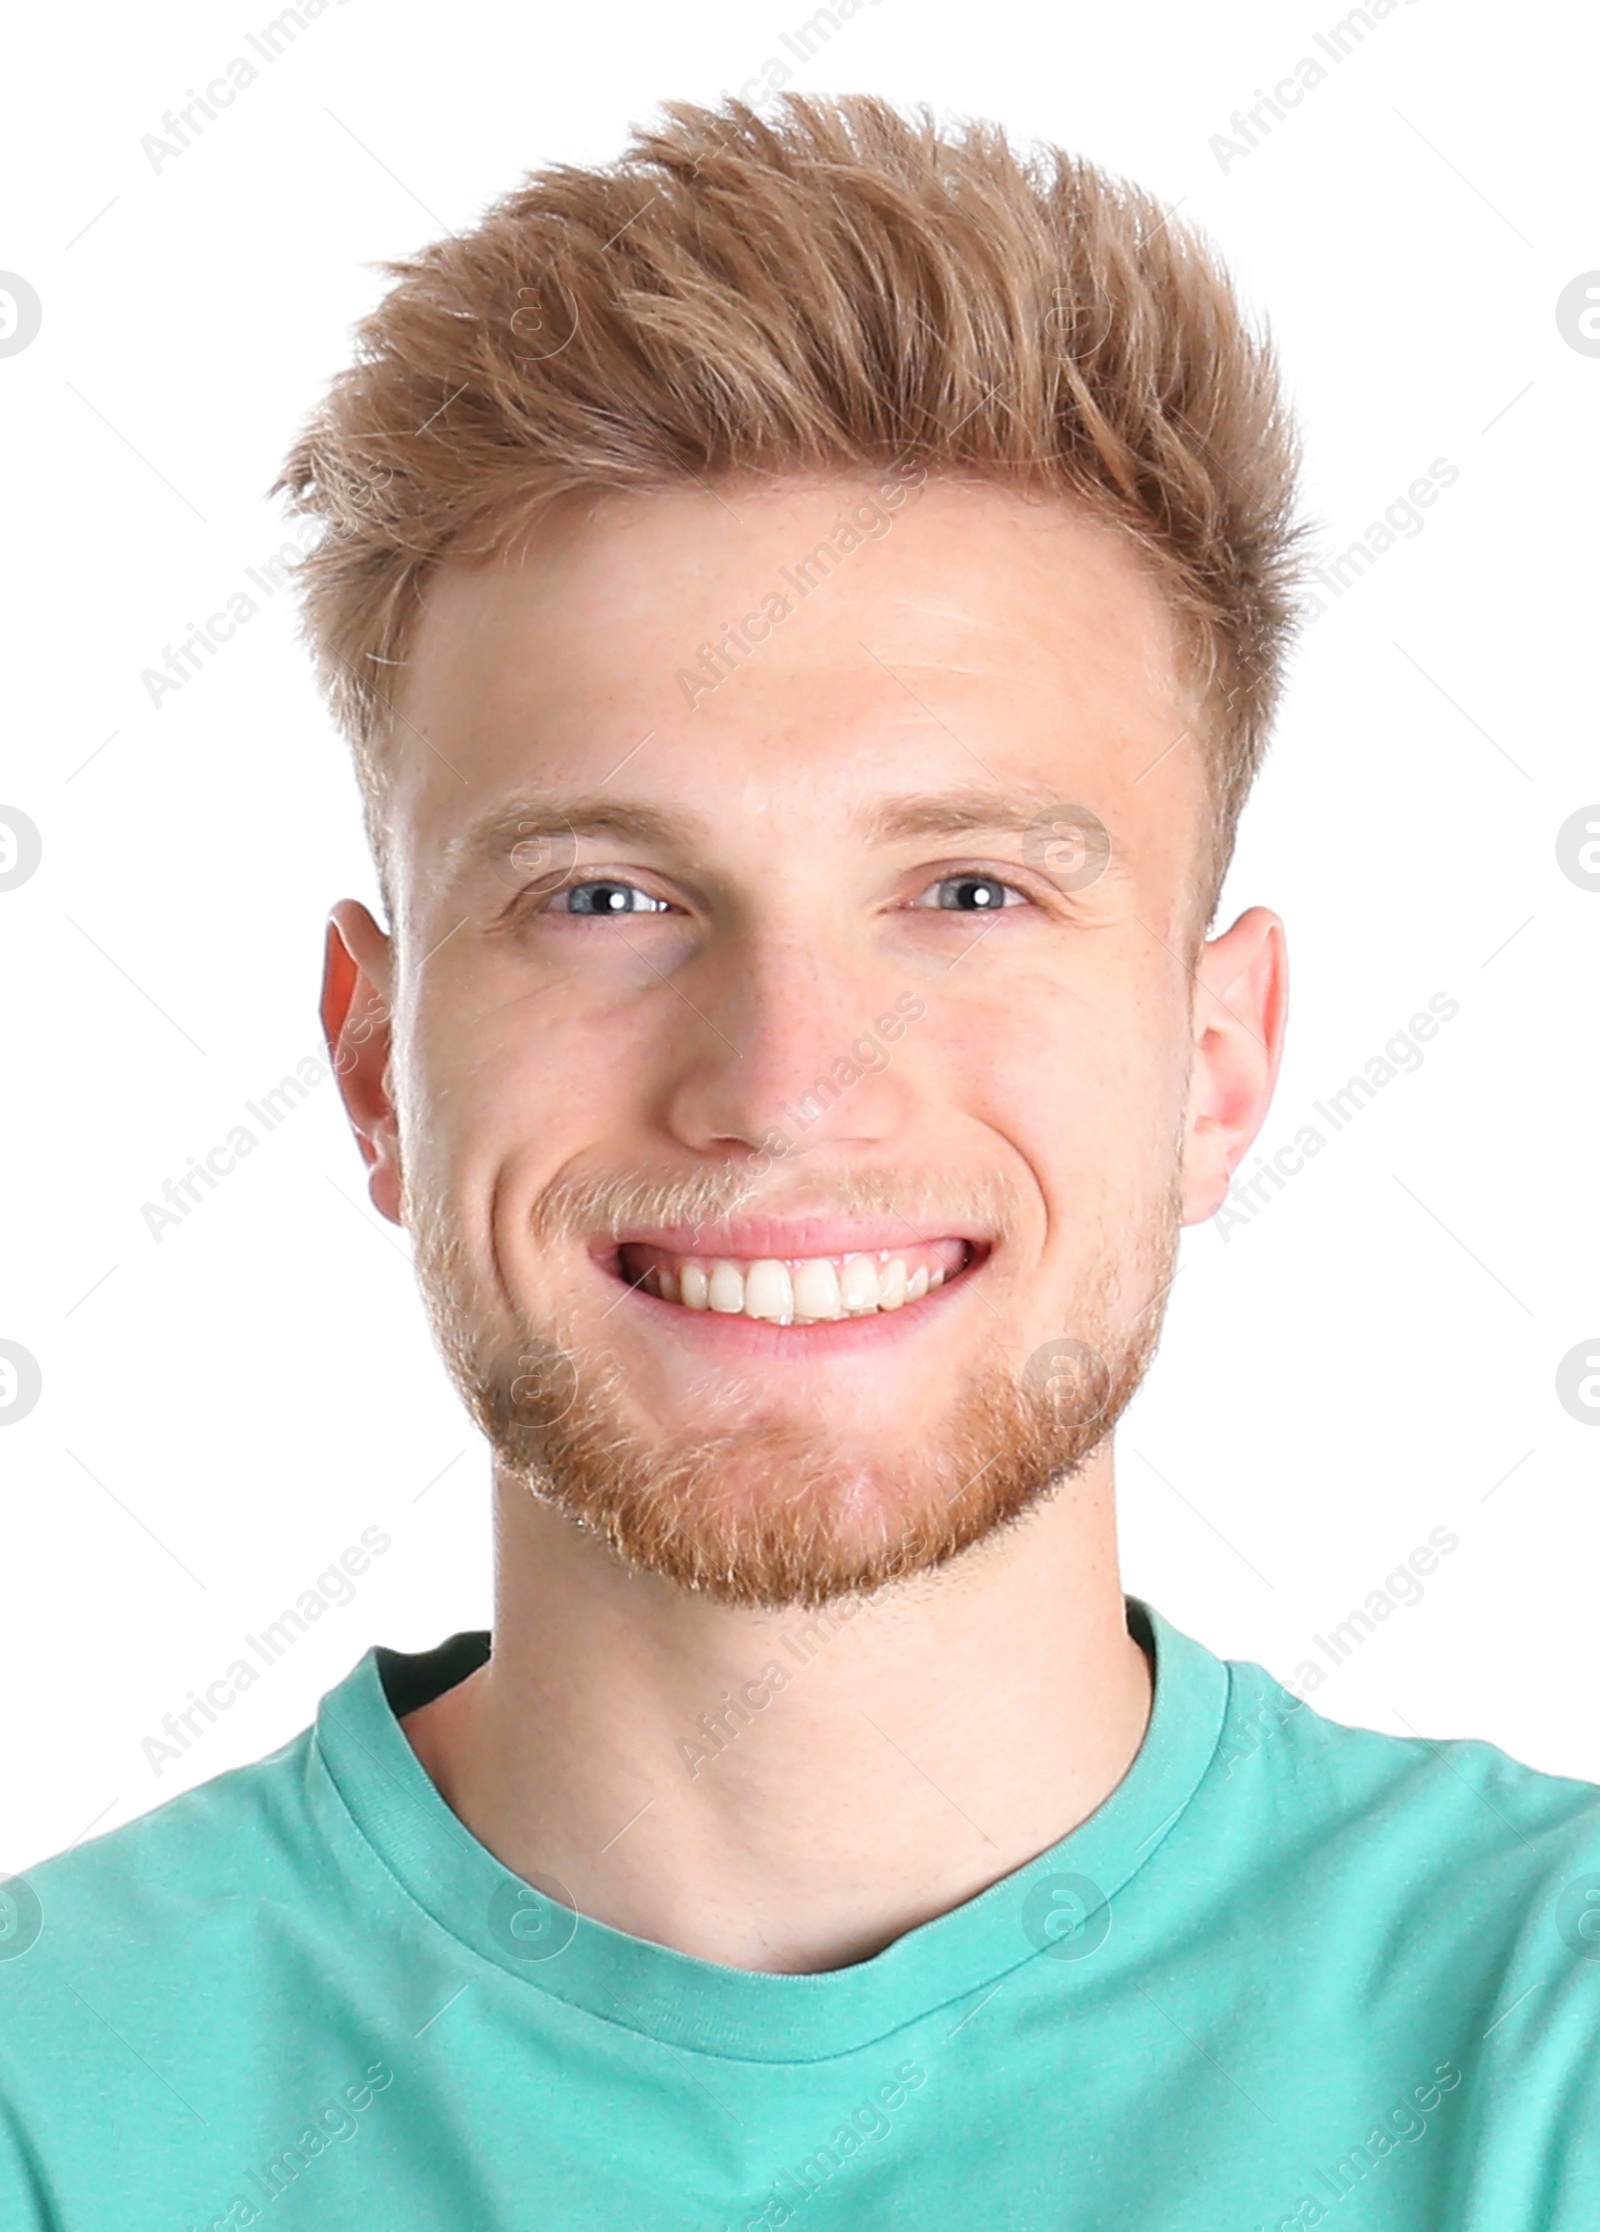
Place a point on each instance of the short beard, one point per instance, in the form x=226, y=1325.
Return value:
x=771, y=1516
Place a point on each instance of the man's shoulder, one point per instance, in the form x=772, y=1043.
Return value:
x=1412, y=1812
x=178, y=1981
x=241, y=1836
x=1358, y=1773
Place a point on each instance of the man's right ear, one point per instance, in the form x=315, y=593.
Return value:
x=355, y=1023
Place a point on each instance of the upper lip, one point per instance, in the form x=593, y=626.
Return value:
x=768, y=1239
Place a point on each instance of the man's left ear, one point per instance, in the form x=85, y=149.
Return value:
x=1241, y=1002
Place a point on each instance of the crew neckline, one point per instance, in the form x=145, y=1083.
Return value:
x=704, y=2006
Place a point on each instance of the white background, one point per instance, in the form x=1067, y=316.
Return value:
x=1372, y=1357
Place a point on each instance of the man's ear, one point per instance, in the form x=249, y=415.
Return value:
x=355, y=1023
x=1241, y=1002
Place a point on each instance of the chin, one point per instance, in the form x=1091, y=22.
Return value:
x=779, y=1515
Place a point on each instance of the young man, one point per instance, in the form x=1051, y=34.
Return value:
x=808, y=603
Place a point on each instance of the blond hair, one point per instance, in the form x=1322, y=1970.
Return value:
x=821, y=292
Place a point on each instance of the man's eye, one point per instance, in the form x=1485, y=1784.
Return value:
x=973, y=894
x=605, y=895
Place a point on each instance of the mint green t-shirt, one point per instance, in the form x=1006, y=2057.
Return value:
x=1288, y=1974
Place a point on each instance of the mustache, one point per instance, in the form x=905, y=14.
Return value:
x=581, y=1206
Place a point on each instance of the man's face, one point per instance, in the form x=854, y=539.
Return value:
x=709, y=975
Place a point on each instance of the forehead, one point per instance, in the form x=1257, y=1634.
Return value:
x=795, y=650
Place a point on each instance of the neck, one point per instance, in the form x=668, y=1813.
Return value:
x=781, y=1790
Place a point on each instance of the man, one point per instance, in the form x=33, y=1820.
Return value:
x=808, y=603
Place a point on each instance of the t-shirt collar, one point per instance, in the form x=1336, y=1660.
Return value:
x=740, y=2013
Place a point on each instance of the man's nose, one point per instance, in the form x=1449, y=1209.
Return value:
x=788, y=1041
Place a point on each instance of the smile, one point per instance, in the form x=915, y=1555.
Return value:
x=796, y=1290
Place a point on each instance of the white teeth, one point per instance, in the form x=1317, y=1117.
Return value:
x=858, y=1285
x=768, y=1291
x=816, y=1289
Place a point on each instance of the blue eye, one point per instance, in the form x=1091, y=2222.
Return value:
x=607, y=895
x=974, y=894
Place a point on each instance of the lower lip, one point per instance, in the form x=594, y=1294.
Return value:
x=734, y=1335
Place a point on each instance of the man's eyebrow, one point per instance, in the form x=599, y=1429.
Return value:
x=954, y=812
x=522, y=821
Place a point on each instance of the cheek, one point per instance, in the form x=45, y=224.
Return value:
x=1090, y=1097
x=487, y=1080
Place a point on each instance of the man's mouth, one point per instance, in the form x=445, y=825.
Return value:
x=817, y=1289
